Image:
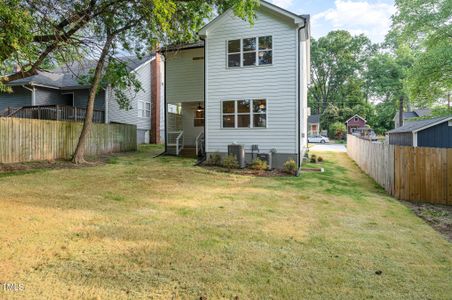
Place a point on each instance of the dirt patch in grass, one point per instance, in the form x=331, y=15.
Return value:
x=36, y=166
x=438, y=216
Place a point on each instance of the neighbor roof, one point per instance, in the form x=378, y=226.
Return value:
x=65, y=77
x=424, y=112
x=314, y=119
x=416, y=126
x=356, y=116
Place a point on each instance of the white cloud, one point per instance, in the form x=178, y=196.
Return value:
x=372, y=19
x=283, y=3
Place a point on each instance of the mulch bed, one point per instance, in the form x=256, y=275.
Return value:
x=248, y=172
x=437, y=216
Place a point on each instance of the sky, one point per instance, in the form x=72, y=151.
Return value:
x=371, y=17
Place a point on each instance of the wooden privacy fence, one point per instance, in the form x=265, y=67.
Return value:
x=407, y=173
x=29, y=140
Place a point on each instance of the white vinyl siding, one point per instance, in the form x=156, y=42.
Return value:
x=277, y=83
x=185, y=76
x=131, y=116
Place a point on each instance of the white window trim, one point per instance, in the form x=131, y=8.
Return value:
x=251, y=114
x=140, y=114
x=257, y=50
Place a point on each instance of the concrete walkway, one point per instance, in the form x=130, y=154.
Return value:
x=328, y=147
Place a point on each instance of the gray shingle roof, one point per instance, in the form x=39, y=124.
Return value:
x=314, y=119
x=415, y=125
x=67, y=76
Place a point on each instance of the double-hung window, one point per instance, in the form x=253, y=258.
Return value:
x=244, y=113
x=144, y=109
x=255, y=51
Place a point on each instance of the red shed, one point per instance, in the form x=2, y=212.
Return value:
x=355, y=122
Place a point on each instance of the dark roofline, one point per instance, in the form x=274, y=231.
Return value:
x=416, y=126
x=178, y=47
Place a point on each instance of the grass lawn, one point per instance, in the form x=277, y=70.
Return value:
x=139, y=227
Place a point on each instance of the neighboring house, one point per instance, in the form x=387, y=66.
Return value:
x=354, y=123
x=435, y=132
x=410, y=115
x=242, y=84
x=59, y=95
x=314, y=125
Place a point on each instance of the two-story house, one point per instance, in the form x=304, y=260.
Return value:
x=241, y=84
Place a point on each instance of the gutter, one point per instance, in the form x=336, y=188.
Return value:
x=165, y=104
x=205, y=108
x=299, y=97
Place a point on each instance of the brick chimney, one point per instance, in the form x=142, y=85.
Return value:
x=155, y=99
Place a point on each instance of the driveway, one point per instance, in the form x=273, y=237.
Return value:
x=328, y=147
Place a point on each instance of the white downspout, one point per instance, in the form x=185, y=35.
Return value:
x=414, y=139
x=33, y=94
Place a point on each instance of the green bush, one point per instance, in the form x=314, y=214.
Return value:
x=231, y=162
x=290, y=167
x=337, y=130
x=320, y=159
x=313, y=160
x=258, y=164
x=214, y=159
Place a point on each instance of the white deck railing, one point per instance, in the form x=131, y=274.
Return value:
x=176, y=139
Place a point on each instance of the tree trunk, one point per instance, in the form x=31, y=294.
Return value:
x=401, y=111
x=79, y=155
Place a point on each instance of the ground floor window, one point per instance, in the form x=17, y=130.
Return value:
x=248, y=113
x=144, y=109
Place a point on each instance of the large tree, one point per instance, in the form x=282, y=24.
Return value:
x=337, y=66
x=425, y=26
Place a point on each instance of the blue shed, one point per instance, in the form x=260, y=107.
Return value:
x=436, y=132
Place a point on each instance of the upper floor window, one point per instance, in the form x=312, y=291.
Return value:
x=254, y=51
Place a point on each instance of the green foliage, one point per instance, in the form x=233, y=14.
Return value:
x=425, y=26
x=320, y=159
x=15, y=34
x=214, y=159
x=290, y=167
x=313, y=159
x=230, y=162
x=258, y=164
x=337, y=130
x=337, y=63
x=330, y=115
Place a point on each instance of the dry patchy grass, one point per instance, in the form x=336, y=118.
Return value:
x=139, y=227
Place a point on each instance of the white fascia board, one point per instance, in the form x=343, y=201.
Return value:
x=143, y=64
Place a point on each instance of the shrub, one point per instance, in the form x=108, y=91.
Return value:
x=313, y=158
x=231, y=162
x=337, y=130
x=320, y=159
x=258, y=164
x=290, y=167
x=214, y=159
